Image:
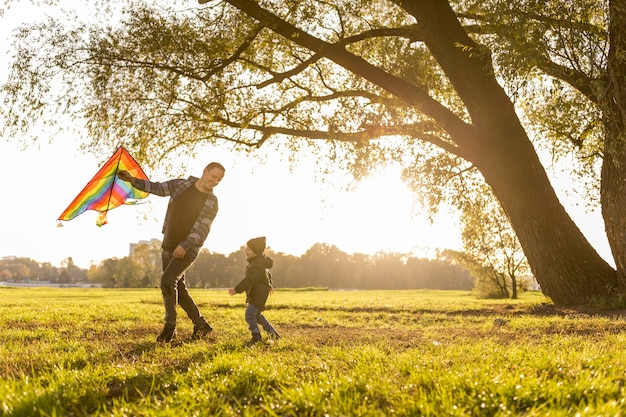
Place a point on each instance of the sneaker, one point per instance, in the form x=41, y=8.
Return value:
x=200, y=331
x=167, y=334
x=256, y=338
x=274, y=335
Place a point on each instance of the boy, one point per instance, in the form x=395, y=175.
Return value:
x=258, y=286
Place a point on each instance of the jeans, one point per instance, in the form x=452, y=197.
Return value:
x=175, y=291
x=254, y=317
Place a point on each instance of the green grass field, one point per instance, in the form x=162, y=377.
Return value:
x=92, y=352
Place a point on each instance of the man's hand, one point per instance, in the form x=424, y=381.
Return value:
x=125, y=176
x=179, y=252
x=232, y=291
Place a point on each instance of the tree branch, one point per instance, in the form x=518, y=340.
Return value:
x=584, y=84
x=245, y=44
x=408, y=32
x=366, y=134
x=337, y=53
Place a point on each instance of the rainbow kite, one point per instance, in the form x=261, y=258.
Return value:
x=105, y=190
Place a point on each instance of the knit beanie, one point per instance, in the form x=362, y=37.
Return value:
x=257, y=245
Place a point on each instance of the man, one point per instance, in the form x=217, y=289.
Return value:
x=190, y=213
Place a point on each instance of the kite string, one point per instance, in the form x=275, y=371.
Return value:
x=117, y=167
x=189, y=156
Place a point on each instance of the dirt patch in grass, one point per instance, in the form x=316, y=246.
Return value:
x=499, y=326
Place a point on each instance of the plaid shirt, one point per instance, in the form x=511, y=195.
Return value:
x=200, y=230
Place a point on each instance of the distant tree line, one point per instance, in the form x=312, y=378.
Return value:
x=323, y=265
x=26, y=269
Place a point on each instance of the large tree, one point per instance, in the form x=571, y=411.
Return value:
x=419, y=82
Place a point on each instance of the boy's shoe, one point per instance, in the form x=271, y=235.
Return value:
x=167, y=334
x=256, y=338
x=274, y=335
x=200, y=331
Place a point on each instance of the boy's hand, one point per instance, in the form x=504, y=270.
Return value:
x=232, y=291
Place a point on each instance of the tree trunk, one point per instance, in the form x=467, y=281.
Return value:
x=566, y=266
x=514, y=287
x=613, y=186
x=613, y=199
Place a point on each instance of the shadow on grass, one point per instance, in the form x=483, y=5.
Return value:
x=540, y=310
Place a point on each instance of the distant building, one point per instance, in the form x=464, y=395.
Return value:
x=133, y=246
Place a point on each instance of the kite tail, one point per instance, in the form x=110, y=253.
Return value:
x=101, y=220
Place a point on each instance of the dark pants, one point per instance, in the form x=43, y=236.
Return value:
x=254, y=317
x=175, y=291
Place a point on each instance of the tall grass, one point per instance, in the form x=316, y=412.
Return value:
x=91, y=352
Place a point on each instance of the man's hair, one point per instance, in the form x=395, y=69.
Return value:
x=215, y=165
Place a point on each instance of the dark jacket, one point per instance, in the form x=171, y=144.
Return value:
x=258, y=281
x=173, y=188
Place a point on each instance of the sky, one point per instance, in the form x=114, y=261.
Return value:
x=288, y=207
x=293, y=208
